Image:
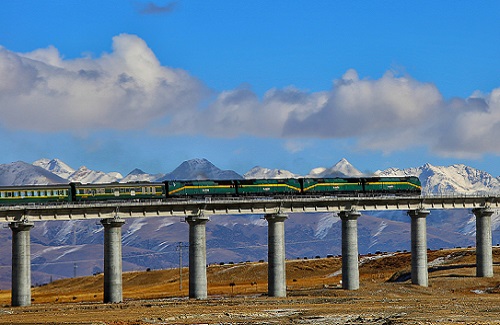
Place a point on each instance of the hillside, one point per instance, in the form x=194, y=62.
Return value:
x=237, y=294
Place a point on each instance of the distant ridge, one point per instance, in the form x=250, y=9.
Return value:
x=456, y=178
x=200, y=169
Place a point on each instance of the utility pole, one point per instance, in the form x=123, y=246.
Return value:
x=180, y=245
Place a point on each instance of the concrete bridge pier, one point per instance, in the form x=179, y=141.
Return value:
x=113, y=291
x=276, y=271
x=21, y=263
x=484, y=253
x=350, y=269
x=419, y=272
x=197, y=256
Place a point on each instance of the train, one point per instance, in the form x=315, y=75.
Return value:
x=175, y=189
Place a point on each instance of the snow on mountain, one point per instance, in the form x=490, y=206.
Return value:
x=266, y=173
x=451, y=179
x=84, y=175
x=324, y=225
x=200, y=169
x=55, y=166
x=316, y=172
x=137, y=175
x=21, y=173
x=341, y=169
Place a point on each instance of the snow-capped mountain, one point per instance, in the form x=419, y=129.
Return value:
x=81, y=175
x=55, y=166
x=451, y=179
x=21, y=173
x=85, y=175
x=200, y=169
x=138, y=175
x=263, y=173
x=435, y=179
x=341, y=169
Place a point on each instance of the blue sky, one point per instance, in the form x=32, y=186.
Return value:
x=116, y=85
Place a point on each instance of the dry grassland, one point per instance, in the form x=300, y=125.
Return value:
x=237, y=295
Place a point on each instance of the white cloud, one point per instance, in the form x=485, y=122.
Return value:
x=129, y=89
x=125, y=89
x=468, y=128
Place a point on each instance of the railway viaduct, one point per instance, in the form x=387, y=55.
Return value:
x=112, y=215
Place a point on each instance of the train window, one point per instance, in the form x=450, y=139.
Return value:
x=29, y=193
x=2, y=194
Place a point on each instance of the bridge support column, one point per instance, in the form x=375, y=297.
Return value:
x=350, y=270
x=197, y=257
x=484, y=253
x=112, y=260
x=21, y=263
x=276, y=271
x=419, y=272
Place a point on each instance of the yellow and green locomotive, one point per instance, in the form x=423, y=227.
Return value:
x=76, y=192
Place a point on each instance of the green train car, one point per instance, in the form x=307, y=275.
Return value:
x=76, y=192
x=392, y=185
x=365, y=185
x=12, y=195
x=332, y=186
x=117, y=191
x=200, y=188
x=288, y=186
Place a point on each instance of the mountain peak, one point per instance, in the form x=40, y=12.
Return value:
x=55, y=166
x=136, y=171
x=266, y=173
x=200, y=168
x=456, y=178
x=343, y=168
x=21, y=173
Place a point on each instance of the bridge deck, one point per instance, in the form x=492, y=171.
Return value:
x=259, y=205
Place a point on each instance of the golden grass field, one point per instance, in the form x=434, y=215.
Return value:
x=314, y=296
